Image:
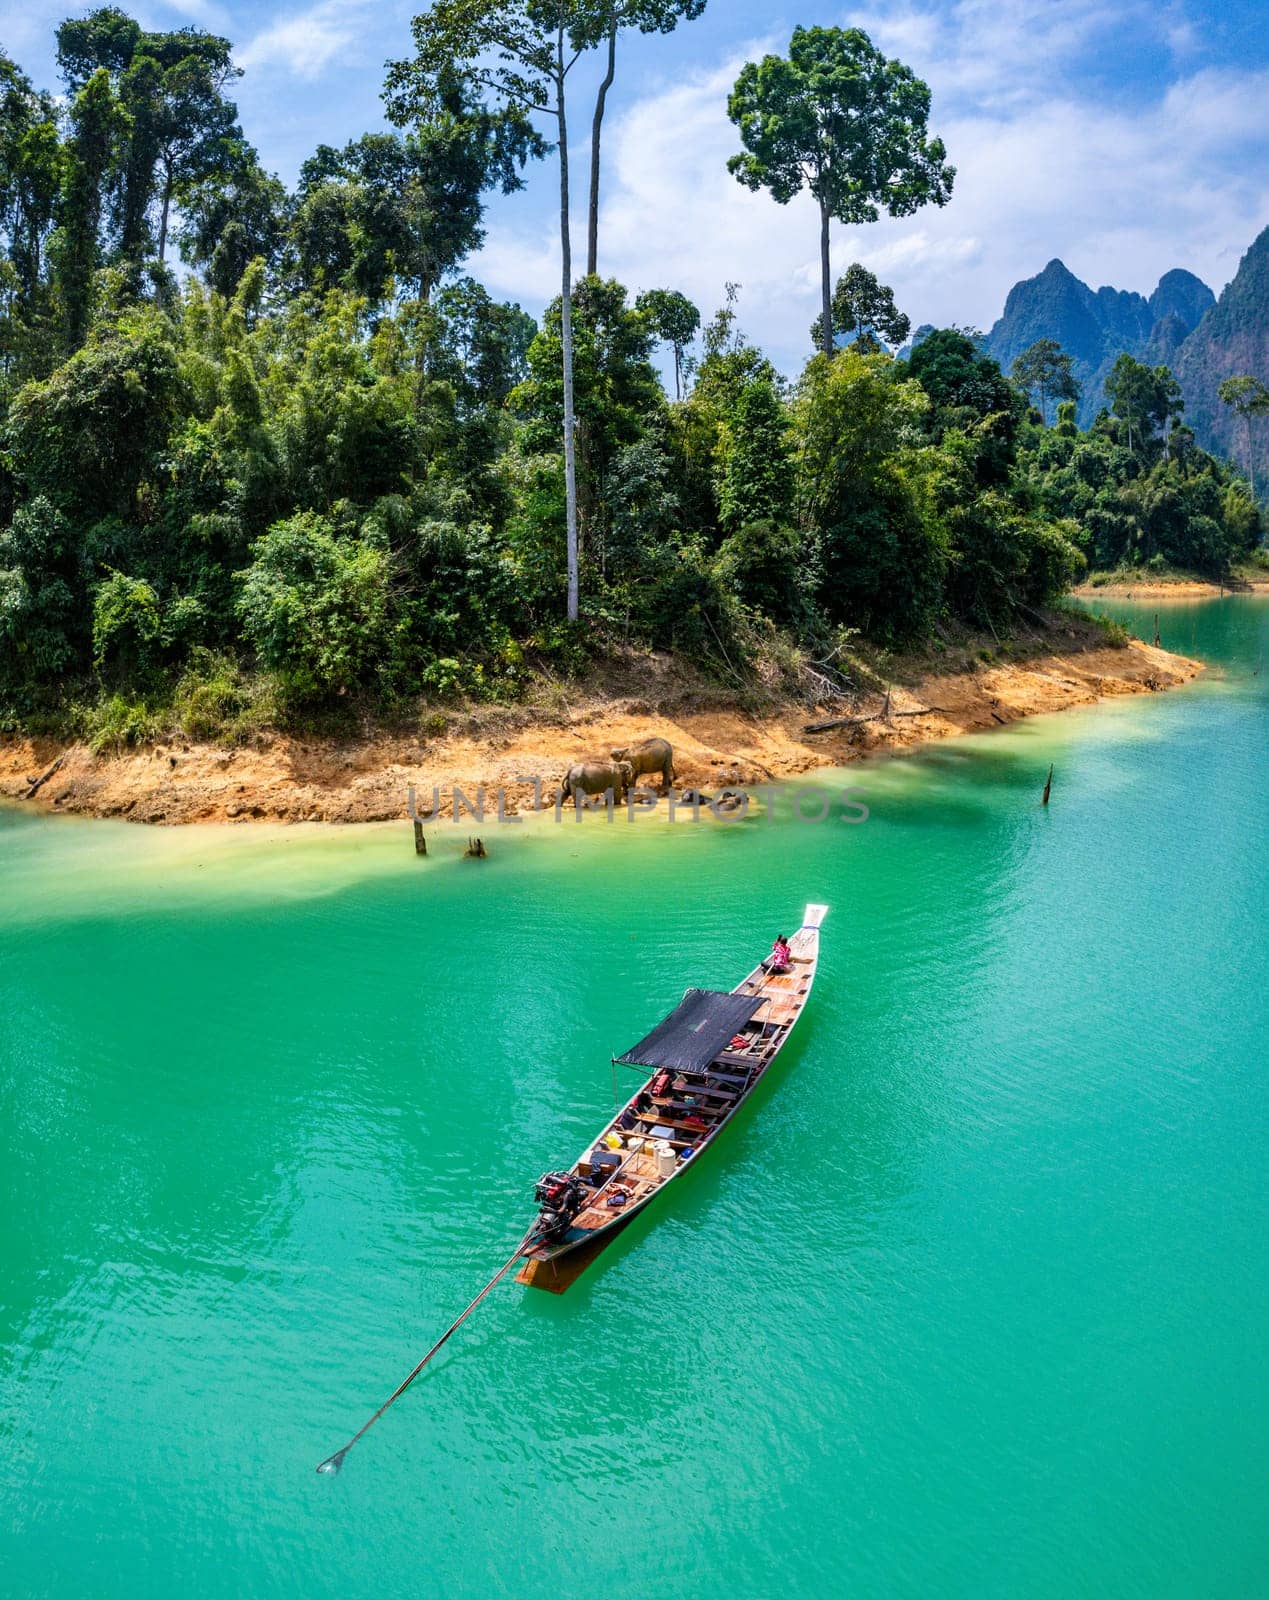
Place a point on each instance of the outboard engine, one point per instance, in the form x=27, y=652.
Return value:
x=560, y=1195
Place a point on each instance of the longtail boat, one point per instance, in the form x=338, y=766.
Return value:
x=704, y=1061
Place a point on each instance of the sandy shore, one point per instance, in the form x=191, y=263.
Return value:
x=284, y=779
x=1167, y=589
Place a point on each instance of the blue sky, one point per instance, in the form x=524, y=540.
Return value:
x=1126, y=138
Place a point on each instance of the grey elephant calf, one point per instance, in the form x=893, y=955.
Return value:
x=597, y=777
x=649, y=756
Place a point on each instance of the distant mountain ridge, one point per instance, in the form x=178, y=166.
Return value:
x=1181, y=325
x=1095, y=326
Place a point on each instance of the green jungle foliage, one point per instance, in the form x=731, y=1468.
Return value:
x=325, y=467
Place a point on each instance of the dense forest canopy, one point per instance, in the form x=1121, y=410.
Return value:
x=323, y=462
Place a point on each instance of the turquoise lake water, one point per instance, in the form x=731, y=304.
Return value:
x=970, y=1302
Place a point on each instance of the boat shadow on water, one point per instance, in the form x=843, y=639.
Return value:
x=697, y=1193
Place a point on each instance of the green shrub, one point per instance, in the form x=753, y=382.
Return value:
x=214, y=701
x=126, y=627
x=444, y=676
x=118, y=723
x=41, y=613
x=315, y=606
x=1115, y=633
x=765, y=565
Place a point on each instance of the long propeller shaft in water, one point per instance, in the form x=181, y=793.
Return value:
x=333, y=1463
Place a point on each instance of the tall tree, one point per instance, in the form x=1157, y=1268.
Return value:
x=388, y=209
x=648, y=16
x=1145, y=399
x=96, y=124
x=673, y=318
x=480, y=346
x=31, y=168
x=30, y=172
x=864, y=307
x=1246, y=397
x=970, y=396
x=232, y=217
x=837, y=118
x=617, y=393
x=1045, y=369
x=181, y=125
x=106, y=38
x=521, y=52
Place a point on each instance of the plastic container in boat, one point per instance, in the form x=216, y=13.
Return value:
x=613, y=1141
x=664, y=1158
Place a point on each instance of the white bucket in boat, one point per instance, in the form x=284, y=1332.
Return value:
x=664, y=1158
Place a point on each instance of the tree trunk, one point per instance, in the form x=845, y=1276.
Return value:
x=678, y=368
x=826, y=283
x=1251, y=465
x=167, y=201
x=592, y=227
x=566, y=325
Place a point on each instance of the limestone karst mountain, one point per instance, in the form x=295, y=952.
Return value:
x=1182, y=325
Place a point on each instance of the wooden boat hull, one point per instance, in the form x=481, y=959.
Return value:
x=557, y=1263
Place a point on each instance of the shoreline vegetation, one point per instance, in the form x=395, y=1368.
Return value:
x=1136, y=583
x=282, y=533
x=894, y=703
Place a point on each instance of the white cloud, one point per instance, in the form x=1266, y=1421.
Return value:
x=993, y=53
x=202, y=13
x=1044, y=169
x=305, y=44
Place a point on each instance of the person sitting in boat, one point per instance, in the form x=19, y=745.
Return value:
x=781, y=957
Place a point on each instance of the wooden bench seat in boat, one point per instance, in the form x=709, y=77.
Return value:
x=681, y=1122
x=713, y=1091
x=677, y=1117
x=674, y=1104
x=712, y=1073
x=745, y=1058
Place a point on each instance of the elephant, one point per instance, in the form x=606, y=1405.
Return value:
x=598, y=776
x=648, y=756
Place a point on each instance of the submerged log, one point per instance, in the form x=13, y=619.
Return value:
x=420, y=843
x=1048, y=785
x=475, y=849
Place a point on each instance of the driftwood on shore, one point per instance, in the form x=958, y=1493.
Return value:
x=38, y=783
x=884, y=715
